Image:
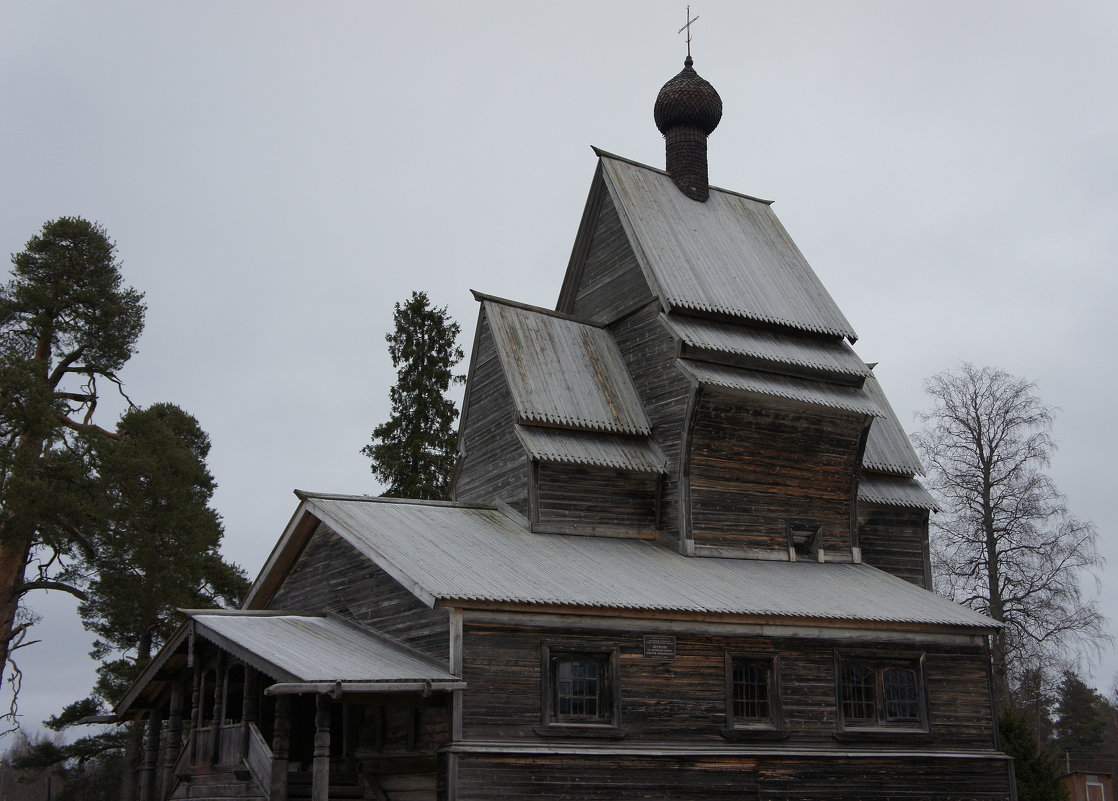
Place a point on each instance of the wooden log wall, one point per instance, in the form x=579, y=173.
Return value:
x=683, y=700
x=494, y=466
x=756, y=466
x=895, y=540
x=580, y=497
x=649, y=353
x=332, y=576
x=705, y=778
x=610, y=282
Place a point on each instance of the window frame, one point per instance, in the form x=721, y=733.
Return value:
x=879, y=664
x=607, y=723
x=740, y=728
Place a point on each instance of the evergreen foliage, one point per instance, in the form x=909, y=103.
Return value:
x=413, y=452
x=1039, y=777
x=66, y=322
x=154, y=549
x=1081, y=722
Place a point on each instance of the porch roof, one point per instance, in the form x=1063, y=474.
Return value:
x=301, y=652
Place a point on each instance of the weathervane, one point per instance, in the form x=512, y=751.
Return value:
x=687, y=28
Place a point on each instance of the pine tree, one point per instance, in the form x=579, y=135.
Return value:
x=153, y=544
x=66, y=322
x=1081, y=723
x=413, y=452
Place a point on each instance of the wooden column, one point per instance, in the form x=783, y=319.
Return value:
x=151, y=756
x=173, y=743
x=250, y=708
x=320, y=776
x=281, y=748
x=218, y=709
x=195, y=712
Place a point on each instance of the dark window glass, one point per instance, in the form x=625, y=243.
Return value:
x=901, y=701
x=579, y=684
x=750, y=692
x=859, y=697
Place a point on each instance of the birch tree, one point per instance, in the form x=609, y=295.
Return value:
x=1005, y=543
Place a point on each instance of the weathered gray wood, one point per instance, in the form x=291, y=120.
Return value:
x=281, y=744
x=895, y=540
x=320, y=782
x=324, y=580
x=493, y=465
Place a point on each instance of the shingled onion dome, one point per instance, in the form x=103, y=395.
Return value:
x=687, y=110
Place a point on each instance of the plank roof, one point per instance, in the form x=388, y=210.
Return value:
x=729, y=255
x=888, y=448
x=829, y=355
x=563, y=372
x=635, y=454
x=815, y=393
x=446, y=552
x=894, y=491
x=312, y=648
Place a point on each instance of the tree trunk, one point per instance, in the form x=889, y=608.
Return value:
x=13, y=563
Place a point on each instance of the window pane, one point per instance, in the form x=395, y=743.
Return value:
x=900, y=694
x=750, y=691
x=578, y=687
x=859, y=697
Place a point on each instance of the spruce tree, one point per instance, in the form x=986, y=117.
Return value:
x=1038, y=774
x=413, y=452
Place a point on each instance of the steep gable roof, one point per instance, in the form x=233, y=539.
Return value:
x=888, y=448
x=729, y=255
x=447, y=552
x=562, y=371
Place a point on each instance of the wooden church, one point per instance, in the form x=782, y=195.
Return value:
x=685, y=557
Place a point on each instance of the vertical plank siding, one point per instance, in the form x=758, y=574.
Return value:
x=574, y=495
x=611, y=282
x=745, y=488
x=494, y=465
x=683, y=700
x=895, y=540
x=324, y=580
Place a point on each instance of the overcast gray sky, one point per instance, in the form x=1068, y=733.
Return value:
x=277, y=174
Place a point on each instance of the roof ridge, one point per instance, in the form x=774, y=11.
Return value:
x=605, y=154
x=304, y=495
x=482, y=296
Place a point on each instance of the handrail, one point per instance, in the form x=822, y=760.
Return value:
x=258, y=758
x=177, y=769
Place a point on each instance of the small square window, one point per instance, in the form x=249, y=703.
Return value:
x=876, y=692
x=752, y=693
x=803, y=538
x=579, y=689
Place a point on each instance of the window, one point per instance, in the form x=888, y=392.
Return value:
x=580, y=690
x=752, y=696
x=875, y=692
x=804, y=538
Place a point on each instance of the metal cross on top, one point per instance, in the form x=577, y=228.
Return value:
x=687, y=28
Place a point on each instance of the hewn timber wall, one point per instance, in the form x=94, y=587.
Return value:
x=649, y=353
x=577, y=498
x=559, y=777
x=683, y=700
x=332, y=576
x=756, y=466
x=895, y=540
x=495, y=466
